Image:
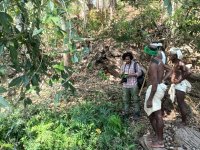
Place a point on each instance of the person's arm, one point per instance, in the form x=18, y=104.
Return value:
x=168, y=74
x=186, y=72
x=122, y=69
x=167, y=67
x=153, y=79
x=138, y=72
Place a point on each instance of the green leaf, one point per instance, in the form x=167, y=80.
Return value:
x=55, y=20
x=16, y=82
x=36, y=31
x=59, y=67
x=75, y=58
x=2, y=90
x=50, y=83
x=51, y=5
x=72, y=88
x=13, y=55
x=35, y=80
x=5, y=20
x=64, y=75
x=27, y=101
x=1, y=49
x=25, y=80
x=168, y=4
x=57, y=97
x=3, y=102
x=2, y=70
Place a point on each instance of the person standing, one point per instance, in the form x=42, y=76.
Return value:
x=180, y=86
x=155, y=93
x=129, y=82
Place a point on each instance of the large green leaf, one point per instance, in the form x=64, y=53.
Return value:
x=59, y=67
x=3, y=102
x=35, y=80
x=13, y=54
x=2, y=90
x=16, y=82
x=37, y=31
x=5, y=20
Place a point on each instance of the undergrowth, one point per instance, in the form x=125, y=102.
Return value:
x=86, y=126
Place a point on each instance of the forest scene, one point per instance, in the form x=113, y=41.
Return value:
x=61, y=68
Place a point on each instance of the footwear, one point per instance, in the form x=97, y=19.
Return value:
x=157, y=145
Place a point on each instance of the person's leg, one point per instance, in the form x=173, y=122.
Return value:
x=136, y=101
x=159, y=129
x=182, y=105
x=126, y=99
x=153, y=124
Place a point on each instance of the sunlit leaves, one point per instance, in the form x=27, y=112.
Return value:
x=59, y=67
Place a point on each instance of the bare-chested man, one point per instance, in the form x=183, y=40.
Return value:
x=179, y=74
x=155, y=93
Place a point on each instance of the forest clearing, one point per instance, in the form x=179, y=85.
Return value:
x=61, y=68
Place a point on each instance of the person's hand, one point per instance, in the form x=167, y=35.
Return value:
x=149, y=103
x=176, y=81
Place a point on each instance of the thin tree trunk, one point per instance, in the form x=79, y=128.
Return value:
x=66, y=54
x=112, y=9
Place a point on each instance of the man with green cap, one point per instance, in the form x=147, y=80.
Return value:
x=154, y=94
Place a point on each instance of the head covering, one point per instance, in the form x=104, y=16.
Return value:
x=150, y=51
x=156, y=44
x=176, y=51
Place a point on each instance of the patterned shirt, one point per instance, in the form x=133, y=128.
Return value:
x=129, y=69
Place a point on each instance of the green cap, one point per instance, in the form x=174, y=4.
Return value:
x=148, y=51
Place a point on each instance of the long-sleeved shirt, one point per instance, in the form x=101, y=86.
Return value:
x=129, y=69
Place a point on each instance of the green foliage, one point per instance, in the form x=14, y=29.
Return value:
x=186, y=23
x=96, y=20
x=89, y=125
x=102, y=75
x=136, y=30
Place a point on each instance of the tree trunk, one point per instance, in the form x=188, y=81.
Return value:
x=146, y=144
x=188, y=138
x=66, y=55
x=112, y=9
x=97, y=4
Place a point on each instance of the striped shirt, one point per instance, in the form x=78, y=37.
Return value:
x=129, y=69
